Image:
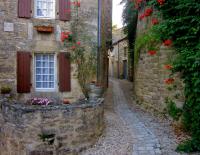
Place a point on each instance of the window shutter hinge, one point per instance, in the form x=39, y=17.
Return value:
x=57, y=13
x=31, y=11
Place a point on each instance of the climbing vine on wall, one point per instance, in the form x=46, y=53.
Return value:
x=180, y=28
x=84, y=59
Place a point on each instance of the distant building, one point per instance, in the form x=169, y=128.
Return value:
x=118, y=57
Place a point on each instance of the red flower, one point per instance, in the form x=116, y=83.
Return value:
x=78, y=4
x=168, y=67
x=141, y=17
x=167, y=42
x=139, y=1
x=151, y=52
x=78, y=43
x=161, y=2
x=169, y=81
x=155, y=21
x=64, y=36
x=148, y=12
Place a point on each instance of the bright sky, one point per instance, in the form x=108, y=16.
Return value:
x=117, y=13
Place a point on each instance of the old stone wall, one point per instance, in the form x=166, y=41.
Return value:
x=18, y=34
x=151, y=90
x=150, y=87
x=49, y=130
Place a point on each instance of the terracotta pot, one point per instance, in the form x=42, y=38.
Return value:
x=66, y=101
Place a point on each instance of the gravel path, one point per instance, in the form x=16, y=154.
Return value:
x=117, y=139
x=131, y=130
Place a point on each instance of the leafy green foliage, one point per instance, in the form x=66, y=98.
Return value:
x=172, y=109
x=86, y=65
x=148, y=40
x=182, y=24
x=130, y=23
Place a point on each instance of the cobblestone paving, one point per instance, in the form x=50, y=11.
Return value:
x=131, y=130
x=145, y=142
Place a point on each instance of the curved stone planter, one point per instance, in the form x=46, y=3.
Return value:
x=49, y=130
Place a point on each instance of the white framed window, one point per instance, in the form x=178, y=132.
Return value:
x=45, y=8
x=45, y=72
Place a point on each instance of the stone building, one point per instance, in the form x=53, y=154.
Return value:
x=33, y=59
x=118, y=57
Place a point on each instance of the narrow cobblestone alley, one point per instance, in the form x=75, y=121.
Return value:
x=130, y=130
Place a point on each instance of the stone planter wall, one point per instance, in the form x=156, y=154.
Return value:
x=49, y=130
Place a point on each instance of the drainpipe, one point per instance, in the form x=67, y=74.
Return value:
x=99, y=39
x=118, y=61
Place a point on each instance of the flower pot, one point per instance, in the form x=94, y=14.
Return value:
x=46, y=29
x=91, y=86
x=66, y=101
x=97, y=90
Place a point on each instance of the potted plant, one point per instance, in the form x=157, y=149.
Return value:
x=6, y=90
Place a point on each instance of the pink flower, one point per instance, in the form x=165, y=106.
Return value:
x=73, y=47
x=78, y=43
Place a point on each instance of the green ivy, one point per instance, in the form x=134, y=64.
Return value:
x=172, y=109
x=147, y=40
x=130, y=24
x=181, y=23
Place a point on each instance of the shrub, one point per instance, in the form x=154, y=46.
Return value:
x=5, y=90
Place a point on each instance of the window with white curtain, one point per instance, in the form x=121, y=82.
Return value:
x=45, y=77
x=45, y=8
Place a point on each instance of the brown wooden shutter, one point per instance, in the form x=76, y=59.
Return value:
x=65, y=10
x=24, y=8
x=23, y=72
x=64, y=73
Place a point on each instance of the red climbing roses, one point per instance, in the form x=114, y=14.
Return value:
x=161, y=2
x=148, y=12
x=141, y=17
x=78, y=43
x=77, y=4
x=64, y=35
x=155, y=21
